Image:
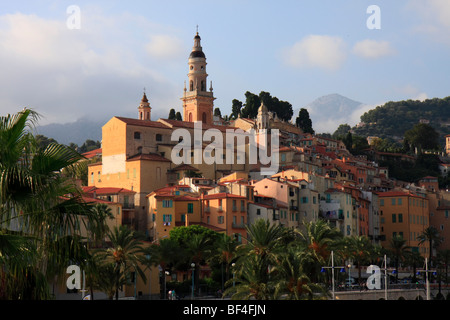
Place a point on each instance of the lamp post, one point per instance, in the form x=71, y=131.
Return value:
x=427, y=281
x=349, y=276
x=234, y=272
x=193, y=269
x=332, y=273
x=166, y=273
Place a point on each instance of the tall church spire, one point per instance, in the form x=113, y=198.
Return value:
x=198, y=101
x=144, y=108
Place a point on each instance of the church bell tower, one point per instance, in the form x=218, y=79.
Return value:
x=198, y=102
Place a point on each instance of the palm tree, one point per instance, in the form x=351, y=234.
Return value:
x=430, y=235
x=100, y=213
x=293, y=283
x=359, y=250
x=399, y=251
x=224, y=252
x=264, y=239
x=414, y=259
x=251, y=280
x=36, y=199
x=125, y=254
x=166, y=253
x=319, y=237
x=198, y=251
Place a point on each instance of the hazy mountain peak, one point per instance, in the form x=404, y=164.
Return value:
x=329, y=111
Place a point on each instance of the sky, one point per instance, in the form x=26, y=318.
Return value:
x=69, y=60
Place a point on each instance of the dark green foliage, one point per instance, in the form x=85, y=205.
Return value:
x=172, y=115
x=282, y=109
x=303, y=121
x=393, y=119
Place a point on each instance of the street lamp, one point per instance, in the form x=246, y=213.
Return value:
x=166, y=273
x=234, y=272
x=426, y=271
x=332, y=270
x=193, y=269
x=349, y=276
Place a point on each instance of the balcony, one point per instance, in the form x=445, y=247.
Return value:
x=293, y=208
x=238, y=225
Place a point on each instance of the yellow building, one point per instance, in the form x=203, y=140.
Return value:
x=406, y=215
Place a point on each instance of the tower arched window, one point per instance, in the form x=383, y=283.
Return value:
x=203, y=87
x=204, y=117
x=191, y=85
x=190, y=116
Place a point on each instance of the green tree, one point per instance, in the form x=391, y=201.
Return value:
x=99, y=229
x=236, y=107
x=360, y=250
x=432, y=236
x=223, y=253
x=172, y=115
x=89, y=145
x=252, y=104
x=293, y=282
x=178, y=116
x=44, y=141
x=303, y=121
x=125, y=253
x=34, y=197
x=217, y=112
x=399, y=251
x=341, y=131
x=423, y=137
x=319, y=238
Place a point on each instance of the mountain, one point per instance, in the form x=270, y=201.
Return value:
x=329, y=111
x=77, y=132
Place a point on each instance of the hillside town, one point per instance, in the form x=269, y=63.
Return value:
x=134, y=174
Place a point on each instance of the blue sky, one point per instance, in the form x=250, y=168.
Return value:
x=296, y=50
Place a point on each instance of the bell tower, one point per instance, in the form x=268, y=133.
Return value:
x=144, y=108
x=198, y=102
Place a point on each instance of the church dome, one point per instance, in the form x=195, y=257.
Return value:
x=197, y=54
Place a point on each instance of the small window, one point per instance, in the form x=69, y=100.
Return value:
x=158, y=137
x=137, y=135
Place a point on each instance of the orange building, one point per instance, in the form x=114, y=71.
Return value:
x=170, y=207
x=228, y=212
x=406, y=215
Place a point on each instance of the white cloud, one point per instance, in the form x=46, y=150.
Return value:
x=372, y=49
x=165, y=47
x=317, y=51
x=66, y=74
x=410, y=92
x=433, y=18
